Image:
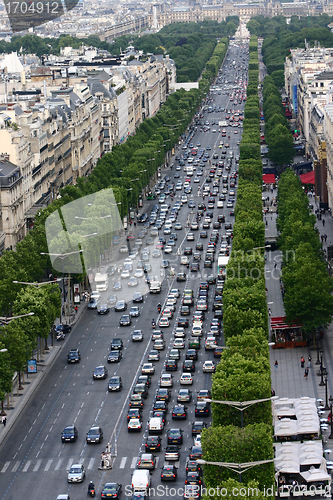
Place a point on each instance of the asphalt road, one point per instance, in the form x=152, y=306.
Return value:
x=33, y=460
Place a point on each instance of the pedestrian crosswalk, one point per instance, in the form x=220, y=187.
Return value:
x=55, y=464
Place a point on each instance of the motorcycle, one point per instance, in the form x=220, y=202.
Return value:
x=153, y=324
x=91, y=492
x=60, y=336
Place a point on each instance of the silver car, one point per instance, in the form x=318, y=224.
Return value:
x=76, y=474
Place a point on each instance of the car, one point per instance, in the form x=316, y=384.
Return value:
x=188, y=251
x=134, y=424
x=157, y=334
x=93, y=303
x=174, y=354
x=115, y=383
x=112, y=300
x=116, y=344
x=169, y=473
x=163, y=394
x=160, y=406
x=199, y=247
x=166, y=380
x=191, y=354
x=123, y=249
x=202, y=409
x=137, y=336
x=195, y=452
x=185, y=310
x=178, y=344
x=94, y=435
x=204, y=394
x=153, y=443
x=174, y=436
x=179, y=412
x=192, y=491
x=73, y=356
x=159, y=344
x=153, y=355
x=172, y=453
x=137, y=297
x=184, y=396
x=134, y=413
x=208, y=367
x=171, y=365
x=63, y=328
x=193, y=466
x=146, y=461
x=144, y=379
x=179, y=332
x=125, y=320
x=181, y=277
x=197, y=428
x=76, y=474
x=148, y=369
x=188, y=366
x=121, y=305
x=186, y=379
x=163, y=322
x=136, y=401
x=111, y=490
x=69, y=434
x=178, y=226
x=183, y=322
x=114, y=356
x=100, y=372
x=117, y=286
x=193, y=477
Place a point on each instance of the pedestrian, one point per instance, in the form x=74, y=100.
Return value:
x=269, y=312
x=276, y=364
x=76, y=309
x=310, y=360
x=272, y=392
x=275, y=265
x=322, y=238
x=302, y=362
x=323, y=222
x=306, y=373
x=4, y=420
x=325, y=237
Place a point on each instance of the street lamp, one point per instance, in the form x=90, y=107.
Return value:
x=321, y=383
x=317, y=343
x=241, y=405
x=7, y=319
x=37, y=284
x=331, y=421
x=238, y=468
x=92, y=218
x=326, y=400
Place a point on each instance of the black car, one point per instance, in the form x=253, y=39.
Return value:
x=100, y=372
x=69, y=434
x=185, y=311
x=125, y=320
x=120, y=306
x=183, y=322
x=141, y=389
x=197, y=427
x=195, y=452
x=103, y=309
x=63, y=328
x=73, y=356
x=204, y=285
x=193, y=466
x=160, y=406
x=115, y=383
x=208, y=264
x=94, y=435
x=169, y=473
x=175, y=436
x=137, y=297
x=191, y=354
x=211, y=279
x=193, y=477
x=144, y=379
x=114, y=356
x=199, y=247
x=111, y=490
x=134, y=413
x=116, y=344
x=189, y=366
x=187, y=251
x=202, y=409
x=179, y=412
x=181, y=277
x=171, y=365
x=153, y=443
x=195, y=267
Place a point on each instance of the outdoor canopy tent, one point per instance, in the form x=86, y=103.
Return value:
x=312, y=475
x=308, y=177
x=268, y=178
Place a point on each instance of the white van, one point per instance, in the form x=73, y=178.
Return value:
x=141, y=480
x=155, y=424
x=219, y=204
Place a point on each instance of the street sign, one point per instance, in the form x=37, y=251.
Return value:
x=32, y=366
x=116, y=240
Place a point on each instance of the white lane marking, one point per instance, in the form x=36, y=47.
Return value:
x=123, y=463
x=35, y=469
x=69, y=463
x=133, y=463
x=57, y=467
x=91, y=463
x=48, y=465
x=26, y=467
x=5, y=467
x=16, y=466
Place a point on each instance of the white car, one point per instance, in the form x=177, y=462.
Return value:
x=125, y=274
x=186, y=379
x=138, y=273
x=123, y=249
x=168, y=249
x=196, y=179
x=76, y=474
x=208, y=367
x=166, y=380
x=197, y=330
x=197, y=440
x=180, y=332
x=175, y=292
x=148, y=369
x=172, y=299
x=190, y=237
x=156, y=253
x=95, y=295
x=184, y=199
x=134, y=424
x=178, y=344
x=164, y=323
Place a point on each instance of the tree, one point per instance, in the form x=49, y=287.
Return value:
x=231, y=488
x=19, y=348
x=235, y=321
x=6, y=376
x=281, y=146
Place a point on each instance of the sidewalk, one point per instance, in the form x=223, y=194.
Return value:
x=288, y=380
x=33, y=380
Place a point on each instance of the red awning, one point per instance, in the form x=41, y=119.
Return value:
x=279, y=323
x=308, y=178
x=268, y=178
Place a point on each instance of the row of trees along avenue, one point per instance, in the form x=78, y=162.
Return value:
x=243, y=374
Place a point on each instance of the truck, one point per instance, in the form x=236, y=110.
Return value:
x=223, y=123
x=140, y=480
x=101, y=282
x=155, y=287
